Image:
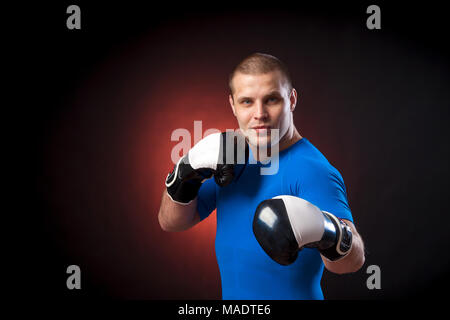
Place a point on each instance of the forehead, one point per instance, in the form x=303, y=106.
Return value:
x=246, y=84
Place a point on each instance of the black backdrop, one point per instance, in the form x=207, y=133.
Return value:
x=375, y=102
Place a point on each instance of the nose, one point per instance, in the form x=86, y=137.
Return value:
x=260, y=112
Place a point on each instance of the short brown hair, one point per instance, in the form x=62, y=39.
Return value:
x=260, y=63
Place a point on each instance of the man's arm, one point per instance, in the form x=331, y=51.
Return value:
x=208, y=158
x=354, y=260
x=173, y=216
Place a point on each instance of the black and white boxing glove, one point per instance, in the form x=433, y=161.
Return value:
x=284, y=225
x=215, y=155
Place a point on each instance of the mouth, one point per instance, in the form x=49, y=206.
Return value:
x=261, y=128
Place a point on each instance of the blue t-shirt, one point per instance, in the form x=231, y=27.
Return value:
x=246, y=271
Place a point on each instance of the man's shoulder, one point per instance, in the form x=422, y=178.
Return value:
x=307, y=167
x=307, y=158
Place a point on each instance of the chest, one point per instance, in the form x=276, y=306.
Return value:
x=237, y=202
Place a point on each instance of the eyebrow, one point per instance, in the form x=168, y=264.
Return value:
x=244, y=98
x=273, y=93
x=270, y=94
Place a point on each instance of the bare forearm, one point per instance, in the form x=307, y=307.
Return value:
x=353, y=261
x=176, y=217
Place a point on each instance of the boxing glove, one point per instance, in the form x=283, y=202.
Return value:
x=284, y=225
x=215, y=155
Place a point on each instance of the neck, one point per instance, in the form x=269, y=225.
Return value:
x=291, y=137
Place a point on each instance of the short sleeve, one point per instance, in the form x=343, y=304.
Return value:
x=325, y=188
x=206, y=200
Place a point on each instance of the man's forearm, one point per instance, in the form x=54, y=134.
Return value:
x=353, y=261
x=176, y=217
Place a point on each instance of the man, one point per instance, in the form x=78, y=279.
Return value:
x=275, y=232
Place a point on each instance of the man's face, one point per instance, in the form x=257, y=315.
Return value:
x=262, y=102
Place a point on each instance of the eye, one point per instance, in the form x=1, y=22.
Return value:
x=272, y=100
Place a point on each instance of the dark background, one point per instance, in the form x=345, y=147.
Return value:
x=95, y=109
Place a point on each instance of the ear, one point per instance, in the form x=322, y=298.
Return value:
x=293, y=99
x=230, y=99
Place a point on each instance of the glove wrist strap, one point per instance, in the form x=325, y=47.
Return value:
x=342, y=242
x=184, y=182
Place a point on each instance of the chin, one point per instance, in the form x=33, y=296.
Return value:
x=260, y=142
